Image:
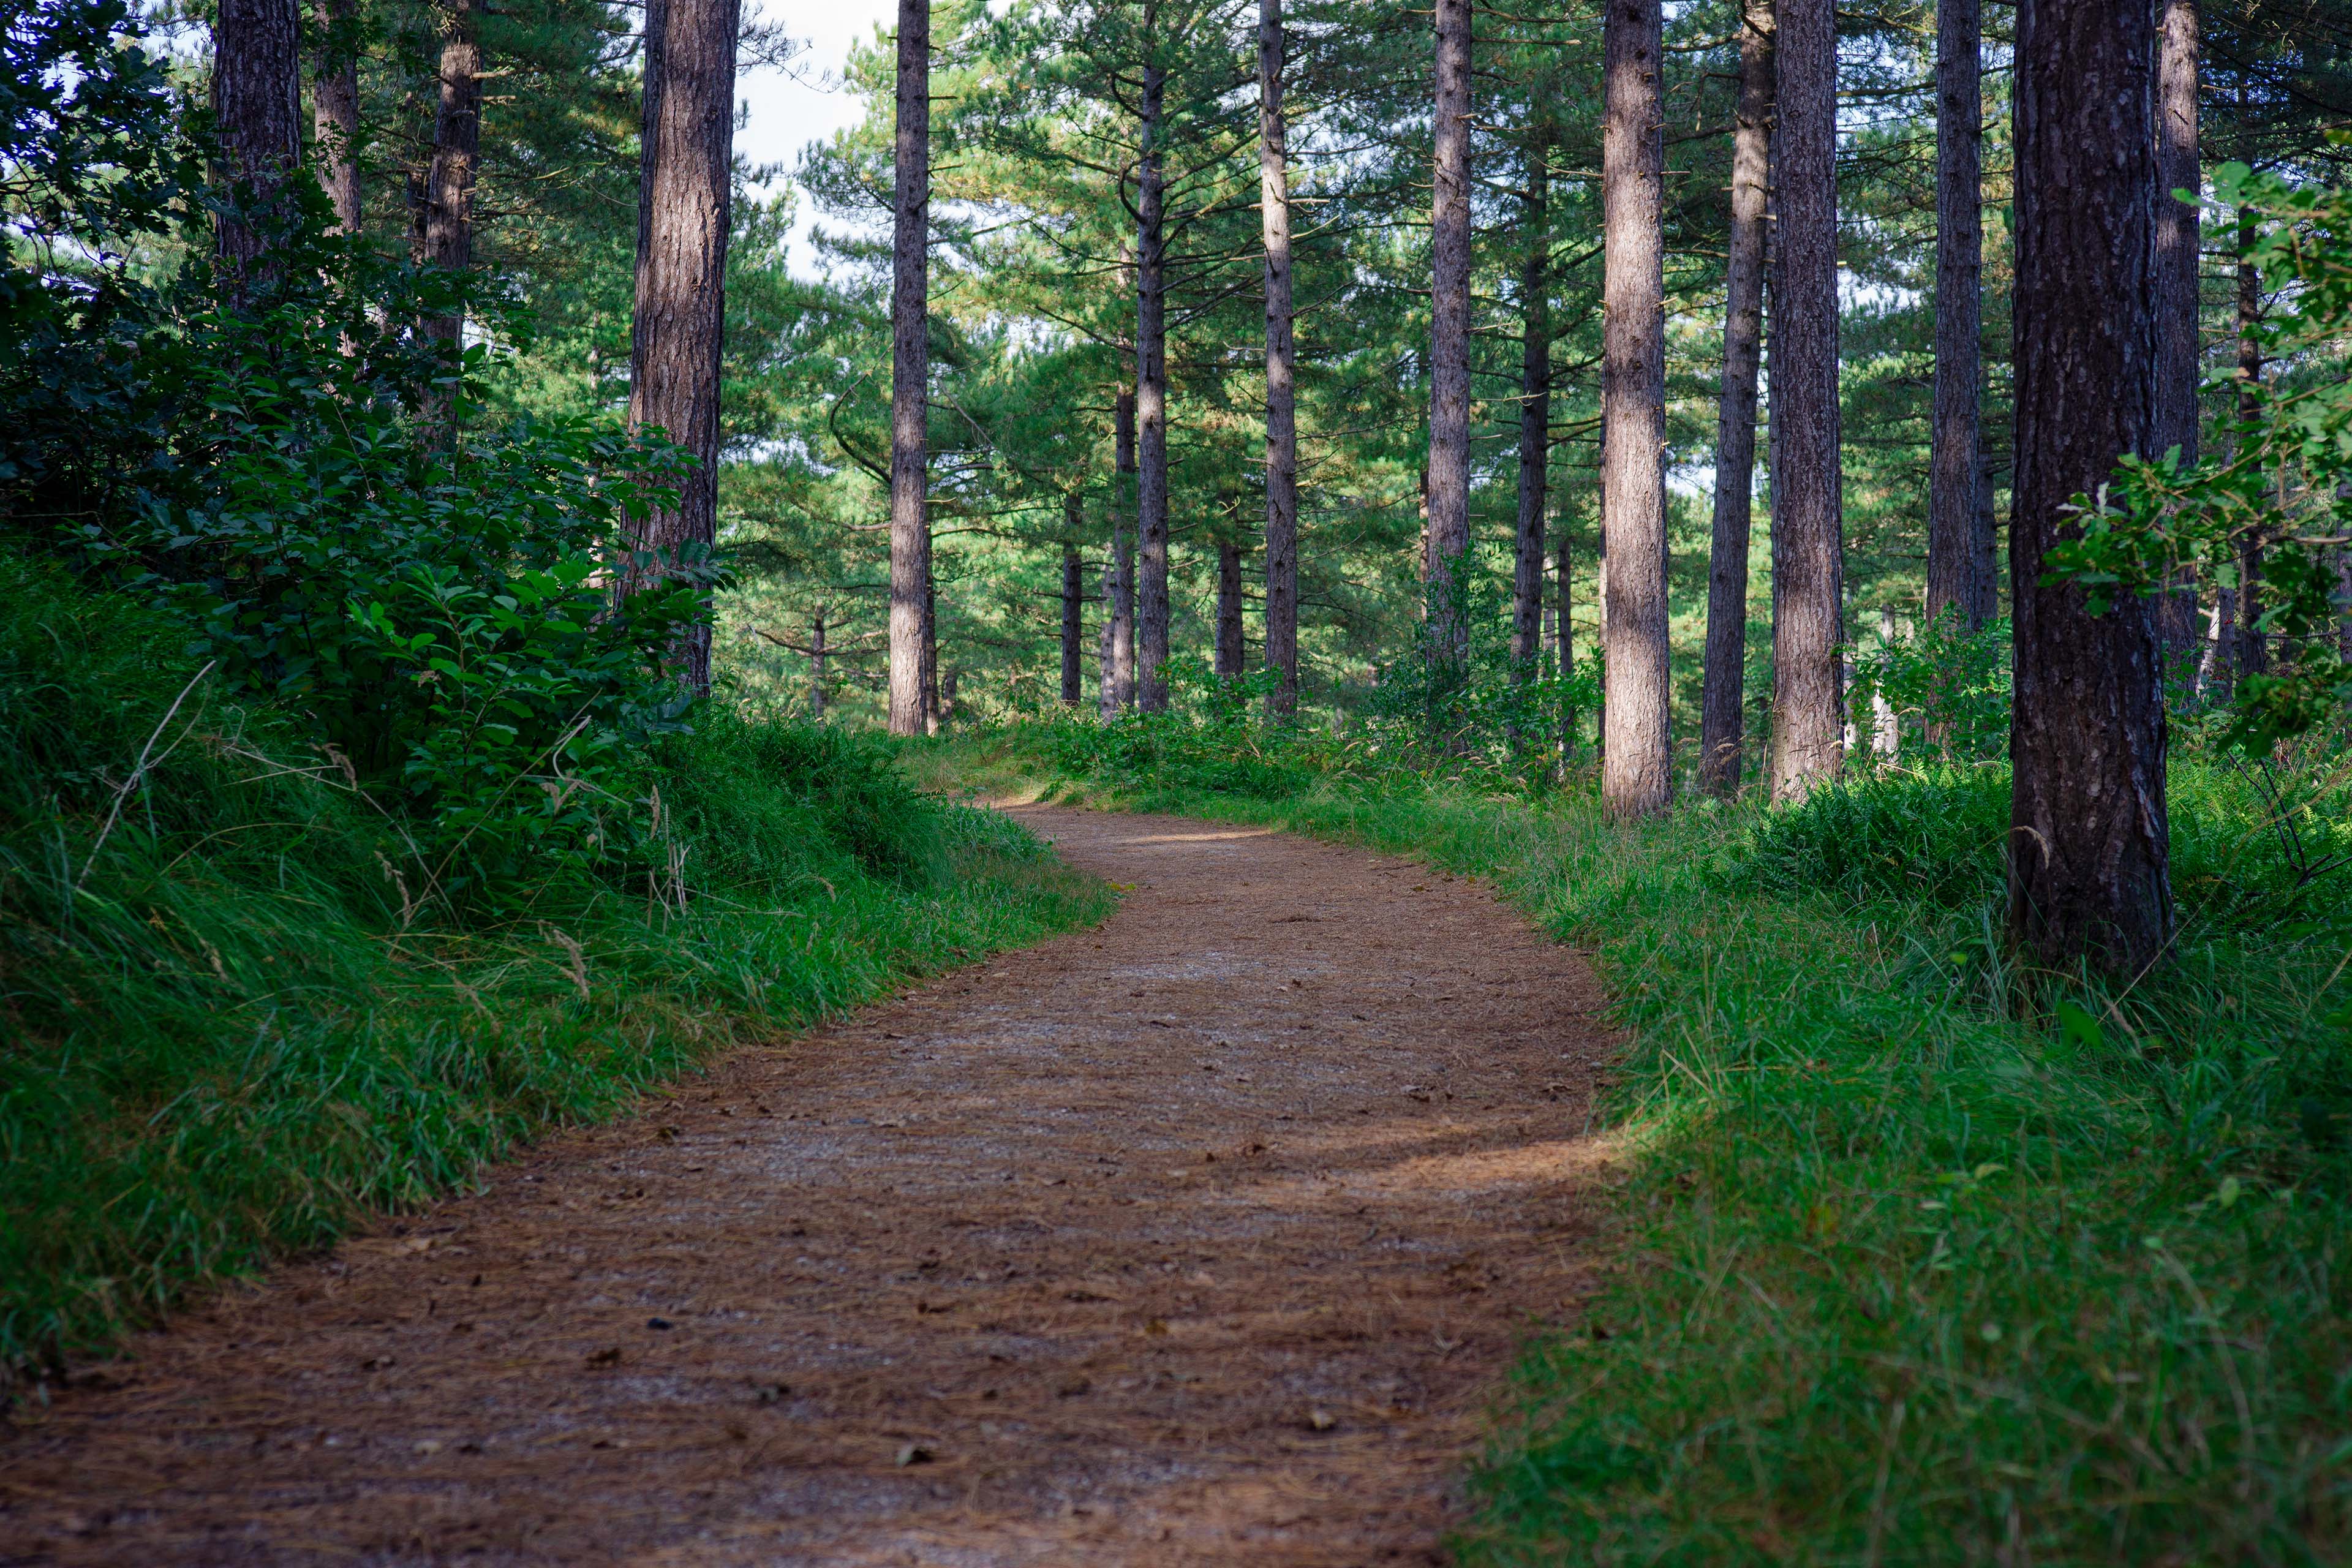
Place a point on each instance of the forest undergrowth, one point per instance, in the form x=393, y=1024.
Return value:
x=240, y=1017
x=1920, y=1256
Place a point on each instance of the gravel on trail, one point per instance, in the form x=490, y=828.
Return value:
x=1200, y=1238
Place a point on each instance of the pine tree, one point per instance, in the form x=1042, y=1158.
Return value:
x=911, y=627
x=1808, y=470
x=1722, y=697
x=2089, y=840
x=683, y=223
x=1637, y=772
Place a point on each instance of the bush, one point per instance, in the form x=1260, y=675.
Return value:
x=440, y=609
x=1948, y=689
x=285, y=463
x=228, y=1025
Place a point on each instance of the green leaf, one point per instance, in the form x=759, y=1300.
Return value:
x=2079, y=1026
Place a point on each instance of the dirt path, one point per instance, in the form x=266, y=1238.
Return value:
x=1197, y=1239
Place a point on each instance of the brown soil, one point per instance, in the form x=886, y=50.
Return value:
x=1200, y=1237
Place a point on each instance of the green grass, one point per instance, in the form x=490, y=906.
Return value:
x=1920, y=1258
x=218, y=1043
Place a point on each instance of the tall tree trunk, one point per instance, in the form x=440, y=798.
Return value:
x=258, y=106
x=1808, y=474
x=1722, y=706
x=1984, y=579
x=1956, y=466
x=1230, y=648
x=2252, y=647
x=1128, y=486
x=1447, y=485
x=816, y=665
x=910, y=372
x=1107, y=707
x=689, y=126
x=1564, y=652
x=1151, y=402
x=1535, y=409
x=1281, y=364
x=1600, y=636
x=2088, y=839
x=1637, y=776
x=1073, y=598
x=932, y=712
x=2177, y=349
x=335, y=93
x=445, y=219
x=1106, y=644
x=445, y=223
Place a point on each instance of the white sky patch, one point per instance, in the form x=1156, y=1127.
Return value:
x=806, y=101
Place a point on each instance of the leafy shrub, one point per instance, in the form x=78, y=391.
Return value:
x=440, y=607
x=2282, y=480
x=1949, y=689
x=294, y=472
x=94, y=167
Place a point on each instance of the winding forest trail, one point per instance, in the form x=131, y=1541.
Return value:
x=1197, y=1239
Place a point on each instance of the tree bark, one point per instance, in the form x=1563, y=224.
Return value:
x=2088, y=841
x=1281, y=368
x=1985, y=579
x=1231, y=650
x=256, y=99
x=2179, y=350
x=1535, y=409
x=933, y=713
x=1107, y=643
x=335, y=93
x=689, y=144
x=1600, y=637
x=1152, y=403
x=444, y=218
x=1956, y=466
x=1128, y=483
x=910, y=372
x=1564, y=652
x=1448, y=480
x=1073, y=595
x=445, y=223
x=1722, y=700
x=1807, y=475
x=1637, y=775
x=816, y=665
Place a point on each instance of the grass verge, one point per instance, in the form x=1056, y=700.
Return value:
x=225, y=1032
x=1920, y=1258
